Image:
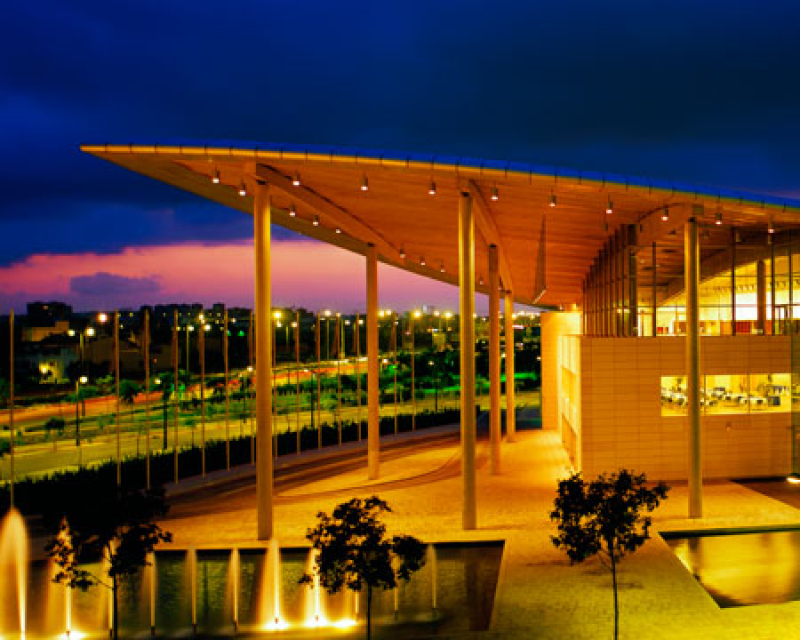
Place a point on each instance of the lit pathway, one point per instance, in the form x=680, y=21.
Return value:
x=539, y=594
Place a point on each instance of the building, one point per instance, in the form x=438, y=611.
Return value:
x=667, y=341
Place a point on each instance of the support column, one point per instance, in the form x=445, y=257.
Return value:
x=761, y=296
x=373, y=391
x=494, y=359
x=692, y=274
x=263, y=362
x=511, y=413
x=466, y=289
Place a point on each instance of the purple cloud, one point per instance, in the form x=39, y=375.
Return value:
x=103, y=283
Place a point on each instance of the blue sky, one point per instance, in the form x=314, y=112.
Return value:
x=703, y=92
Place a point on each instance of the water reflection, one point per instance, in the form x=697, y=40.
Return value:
x=743, y=569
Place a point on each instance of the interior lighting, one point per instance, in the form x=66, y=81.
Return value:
x=665, y=214
x=552, y=199
x=432, y=188
x=495, y=195
x=296, y=179
x=242, y=190
x=610, y=207
x=718, y=220
x=364, y=183
x=292, y=211
x=316, y=221
x=215, y=177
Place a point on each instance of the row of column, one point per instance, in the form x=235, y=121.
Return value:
x=263, y=360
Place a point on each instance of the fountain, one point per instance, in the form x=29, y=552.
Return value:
x=13, y=569
x=314, y=614
x=191, y=561
x=432, y=565
x=233, y=580
x=270, y=610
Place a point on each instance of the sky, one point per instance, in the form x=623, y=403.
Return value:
x=701, y=92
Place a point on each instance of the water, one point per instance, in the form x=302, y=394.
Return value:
x=255, y=591
x=744, y=569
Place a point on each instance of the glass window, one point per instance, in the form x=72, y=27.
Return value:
x=770, y=392
x=673, y=396
x=726, y=394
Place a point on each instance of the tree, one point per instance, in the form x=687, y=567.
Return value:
x=354, y=552
x=605, y=517
x=54, y=428
x=121, y=532
x=128, y=390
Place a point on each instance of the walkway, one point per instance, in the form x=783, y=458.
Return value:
x=539, y=595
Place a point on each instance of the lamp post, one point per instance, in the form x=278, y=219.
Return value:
x=82, y=380
x=435, y=386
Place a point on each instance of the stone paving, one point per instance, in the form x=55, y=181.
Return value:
x=539, y=594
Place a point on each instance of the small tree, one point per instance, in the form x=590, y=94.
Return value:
x=121, y=533
x=54, y=428
x=353, y=551
x=605, y=517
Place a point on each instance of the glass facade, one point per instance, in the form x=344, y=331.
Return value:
x=730, y=394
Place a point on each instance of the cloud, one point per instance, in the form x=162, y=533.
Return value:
x=110, y=284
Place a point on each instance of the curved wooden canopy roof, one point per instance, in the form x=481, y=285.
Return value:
x=545, y=251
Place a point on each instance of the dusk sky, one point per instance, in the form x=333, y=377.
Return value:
x=702, y=92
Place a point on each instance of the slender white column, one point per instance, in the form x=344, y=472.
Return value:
x=692, y=274
x=511, y=416
x=466, y=287
x=263, y=362
x=373, y=391
x=494, y=359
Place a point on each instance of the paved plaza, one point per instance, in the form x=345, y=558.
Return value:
x=539, y=594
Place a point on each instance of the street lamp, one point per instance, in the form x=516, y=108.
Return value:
x=81, y=380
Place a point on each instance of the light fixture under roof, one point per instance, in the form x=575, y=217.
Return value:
x=338, y=230
x=552, y=199
x=242, y=190
x=770, y=227
x=718, y=218
x=442, y=268
x=292, y=211
x=296, y=179
x=215, y=177
x=432, y=188
x=316, y=221
x=364, y=183
x=422, y=261
x=610, y=207
x=665, y=214
x=495, y=195
x=480, y=281
x=402, y=254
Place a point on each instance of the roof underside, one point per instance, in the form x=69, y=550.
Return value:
x=545, y=251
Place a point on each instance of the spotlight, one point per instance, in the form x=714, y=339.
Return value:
x=402, y=254
x=718, y=219
x=242, y=190
x=296, y=179
x=665, y=214
x=422, y=261
x=432, y=188
x=495, y=195
x=441, y=268
x=770, y=227
x=610, y=207
x=338, y=230
x=480, y=281
x=292, y=211
x=364, y=183
x=215, y=177
x=316, y=221
x=552, y=199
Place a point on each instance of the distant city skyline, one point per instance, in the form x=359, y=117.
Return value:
x=306, y=274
